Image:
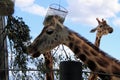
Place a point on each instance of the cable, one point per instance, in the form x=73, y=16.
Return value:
x=47, y=71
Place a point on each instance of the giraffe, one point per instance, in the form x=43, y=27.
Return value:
x=48, y=64
x=49, y=59
x=97, y=60
x=102, y=29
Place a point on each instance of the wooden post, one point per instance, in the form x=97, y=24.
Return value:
x=3, y=52
x=70, y=70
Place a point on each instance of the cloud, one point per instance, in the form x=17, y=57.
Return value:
x=30, y=7
x=80, y=11
x=24, y=3
x=86, y=11
x=36, y=9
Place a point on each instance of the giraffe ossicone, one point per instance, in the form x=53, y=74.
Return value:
x=96, y=59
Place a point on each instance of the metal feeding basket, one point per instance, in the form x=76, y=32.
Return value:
x=56, y=10
x=6, y=7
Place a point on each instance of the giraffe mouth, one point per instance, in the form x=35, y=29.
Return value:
x=32, y=53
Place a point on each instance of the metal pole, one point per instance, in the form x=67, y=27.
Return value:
x=3, y=51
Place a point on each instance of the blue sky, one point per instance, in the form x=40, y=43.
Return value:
x=81, y=18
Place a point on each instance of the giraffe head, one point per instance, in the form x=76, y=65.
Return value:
x=53, y=34
x=103, y=28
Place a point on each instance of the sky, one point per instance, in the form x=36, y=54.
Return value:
x=81, y=18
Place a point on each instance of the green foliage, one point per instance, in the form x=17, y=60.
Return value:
x=18, y=33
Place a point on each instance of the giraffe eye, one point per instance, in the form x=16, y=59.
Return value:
x=50, y=31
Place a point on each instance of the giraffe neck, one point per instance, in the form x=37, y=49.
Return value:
x=97, y=44
x=97, y=41
x=49, y=66
x=91, y=55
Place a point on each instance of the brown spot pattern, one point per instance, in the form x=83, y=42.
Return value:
x=82, y=57
x=102, y=62
x=91, y=64
x=76, y=49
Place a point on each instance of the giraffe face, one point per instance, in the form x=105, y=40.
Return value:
x=103, y=28
x=51, y=36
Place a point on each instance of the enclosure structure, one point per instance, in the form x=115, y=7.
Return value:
x=6, y=7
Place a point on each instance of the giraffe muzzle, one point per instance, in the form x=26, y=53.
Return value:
x=111, y=30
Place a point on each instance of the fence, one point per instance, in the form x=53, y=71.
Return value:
x=69, y=70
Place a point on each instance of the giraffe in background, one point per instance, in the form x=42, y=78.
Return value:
x=97, y=60
x=102, y=29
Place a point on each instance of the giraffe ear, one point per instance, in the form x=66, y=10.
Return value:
x=98, y=20
x=93, y=30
